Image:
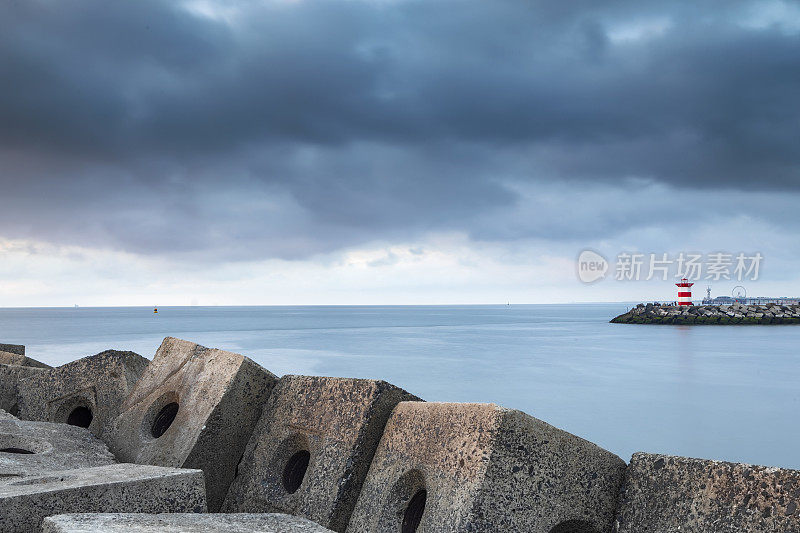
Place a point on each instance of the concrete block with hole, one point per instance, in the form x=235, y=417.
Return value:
x=194, y=407
x=86, y=393
x=25, y=502
x=664, y=494
x=311, y=450
x=35, y=448
x=10, y=358
x=10, y=378
x=180, y=523
x=449, y=467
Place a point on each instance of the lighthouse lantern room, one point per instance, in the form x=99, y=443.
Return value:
x=684, y=292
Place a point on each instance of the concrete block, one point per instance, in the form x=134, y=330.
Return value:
x=666, y=494
x=311, y=450
x=86, y=393
x=35, y=448
x=18, y=349
x=24, y=503
x=446, y=467
x=10, y=377
x=193, y=407
x=180, y=523
x=9, y=358
x=6, y=416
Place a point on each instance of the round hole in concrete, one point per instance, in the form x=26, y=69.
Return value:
x=414, y=510
x=164, y=419
x=295, y=471
x=16, y=450
x=81, y=416
x=574, y=526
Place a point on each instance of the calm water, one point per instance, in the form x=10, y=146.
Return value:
x=722, y=392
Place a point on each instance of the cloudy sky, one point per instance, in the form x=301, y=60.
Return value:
x=390, y=151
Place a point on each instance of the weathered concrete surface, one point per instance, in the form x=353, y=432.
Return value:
x=18, y=349
x=218, y=396
x=666, y=494
x=6, y=416
x=480, y=467
x=35, y=448
x=338, y=423
x=103, y=489
x=10, y=377
x=180, y=523
x=10, y=358
x=87, y=392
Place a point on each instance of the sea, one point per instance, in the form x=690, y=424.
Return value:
x=719, y=392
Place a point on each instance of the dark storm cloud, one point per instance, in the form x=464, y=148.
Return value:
x=300, y=127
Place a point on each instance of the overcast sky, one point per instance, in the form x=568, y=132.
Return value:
x=390, y=151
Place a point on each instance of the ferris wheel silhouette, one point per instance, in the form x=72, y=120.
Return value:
x=739, y=292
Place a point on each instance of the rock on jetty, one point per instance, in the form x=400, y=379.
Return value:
x=196, y=427
x=711, y=314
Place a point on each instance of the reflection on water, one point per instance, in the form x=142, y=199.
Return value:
x=725, y=392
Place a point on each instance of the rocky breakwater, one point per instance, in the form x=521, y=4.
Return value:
x=711, y=314
x=114, y=443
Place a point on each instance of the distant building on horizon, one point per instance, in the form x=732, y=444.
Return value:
x=752, y=300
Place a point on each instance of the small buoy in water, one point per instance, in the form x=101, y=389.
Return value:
x=155, y=309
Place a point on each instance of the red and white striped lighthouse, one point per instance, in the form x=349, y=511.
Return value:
x=684, y=292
